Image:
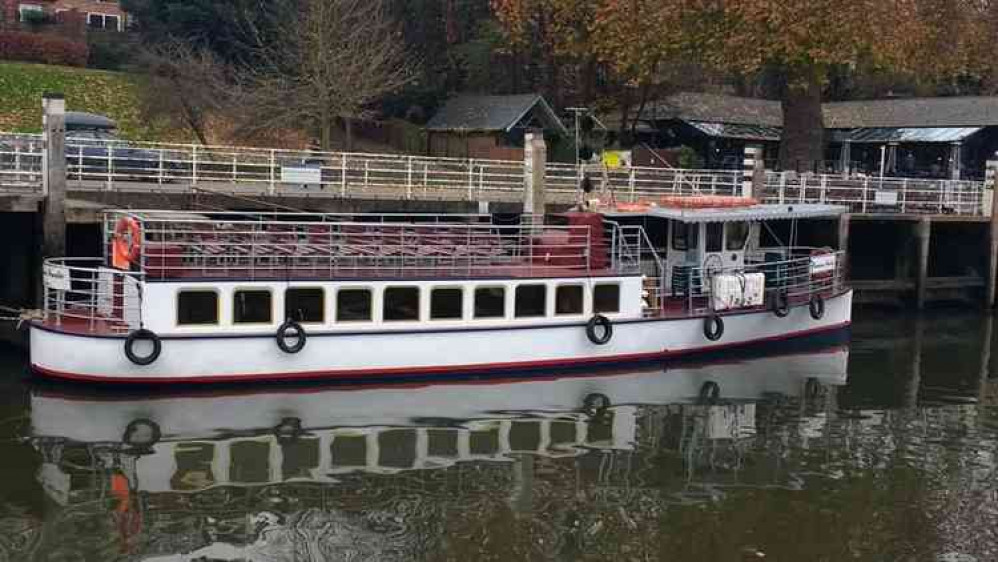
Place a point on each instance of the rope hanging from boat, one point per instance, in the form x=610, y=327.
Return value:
x=19, y=315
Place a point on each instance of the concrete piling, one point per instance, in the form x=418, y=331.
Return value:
x=991, y=175
x=54, y=175
x=923, y=235
x=535, y=163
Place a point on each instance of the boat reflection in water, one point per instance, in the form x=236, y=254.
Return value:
x=291, y=474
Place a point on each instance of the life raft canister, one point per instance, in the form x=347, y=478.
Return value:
x=127, y=243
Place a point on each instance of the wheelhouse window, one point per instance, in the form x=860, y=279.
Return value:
x=401, y=304
x=353, y=305
x=568, y=299
x=737, y=235
x=715, y=236
x=305, y=305
x=447, y=304
x=490, y=302
x=606, y=298
x=252, y=306
x=685, y=236
x=197, y=308
x=531, y=301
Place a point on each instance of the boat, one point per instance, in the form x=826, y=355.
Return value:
x=232, y=297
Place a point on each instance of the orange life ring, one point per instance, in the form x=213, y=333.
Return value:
x=127, y=243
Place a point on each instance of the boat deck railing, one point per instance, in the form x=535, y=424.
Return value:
x=292, y=246
x=793, y=276
x=84, y=295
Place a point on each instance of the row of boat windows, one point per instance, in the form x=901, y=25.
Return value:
x=399, y=304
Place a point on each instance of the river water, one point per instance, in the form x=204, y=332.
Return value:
x=883, y=449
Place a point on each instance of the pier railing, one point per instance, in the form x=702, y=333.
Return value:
x=864, y=194
x=84, y=295
x=290, y=245
x=137, y=167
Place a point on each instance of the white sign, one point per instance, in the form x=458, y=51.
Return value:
x=881, y=197
x=56, y=277
x=301, y=175
x=822, y=263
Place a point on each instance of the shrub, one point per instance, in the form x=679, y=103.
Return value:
x=47, y=49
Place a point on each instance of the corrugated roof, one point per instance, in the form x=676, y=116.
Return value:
x=880, y=135
x=492, y=113
x=737, y=131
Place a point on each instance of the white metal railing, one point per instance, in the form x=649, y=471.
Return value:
x=281, y=245
x=864, y=194
x=20, y=162
x=791, y=273
x=143, y=166
x=83, y=294
x=633, y=183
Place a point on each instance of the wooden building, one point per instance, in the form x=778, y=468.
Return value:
x=943, y=137
x=476, y=126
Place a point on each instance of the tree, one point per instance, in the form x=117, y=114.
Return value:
x=319, y=62
x=186, y=84
x=801, y=42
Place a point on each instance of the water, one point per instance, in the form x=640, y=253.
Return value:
x=881, y=451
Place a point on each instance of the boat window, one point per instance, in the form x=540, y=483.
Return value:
x=490, y=302
x=685, y=236
x=401, y=304
x=305, y=305
x=446, y=304
x=737, y=235
x=568, y=299
x=715, y=236
x=197, y=308
x=353, y=305
x=679, y=241
x=606, y=298
x=252, y=307
x=531, y=301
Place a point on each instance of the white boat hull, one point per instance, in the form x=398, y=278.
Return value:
x=402, y=354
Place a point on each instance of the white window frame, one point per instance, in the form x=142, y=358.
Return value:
x=104, y=17
x=28, y=7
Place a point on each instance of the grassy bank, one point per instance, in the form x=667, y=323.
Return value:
x=113, y=94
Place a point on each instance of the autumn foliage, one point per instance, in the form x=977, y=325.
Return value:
x=42, y=48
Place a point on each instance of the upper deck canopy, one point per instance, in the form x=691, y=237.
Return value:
x=736, y=214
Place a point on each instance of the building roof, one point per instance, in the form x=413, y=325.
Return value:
x=881, y=135
x=494, y=113
x=716, y=108
x=737, y=131
x=896, y=113
x=976, y=111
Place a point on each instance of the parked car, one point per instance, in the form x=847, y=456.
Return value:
x=93, y=150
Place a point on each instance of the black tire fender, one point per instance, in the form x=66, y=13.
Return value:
x=781, y=304
x=139, y=335
x=713, y=327
x=710, y=393
x=288, y=330
x=817, y=307
x=142, y=433
x=599, y=320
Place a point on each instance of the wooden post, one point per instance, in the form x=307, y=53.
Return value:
x=534, y=166
x=923, y=234
x=54, y=175
x=991, y=174
x=750, y=177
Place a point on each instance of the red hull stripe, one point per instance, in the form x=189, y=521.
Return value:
x=395, y=372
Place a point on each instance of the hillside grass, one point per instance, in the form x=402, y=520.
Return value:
x=114, y=94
